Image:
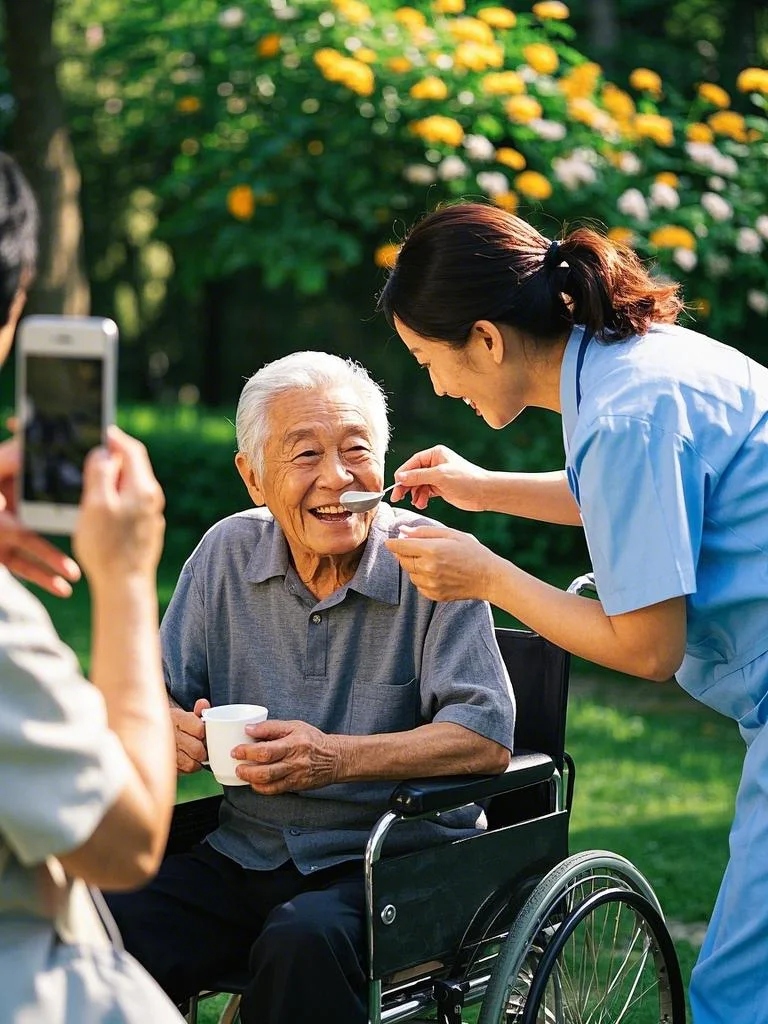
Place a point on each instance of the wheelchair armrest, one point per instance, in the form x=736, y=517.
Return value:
x=192, y=821
x=445, y=792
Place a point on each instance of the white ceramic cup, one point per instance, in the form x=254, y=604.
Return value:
x=224, y=730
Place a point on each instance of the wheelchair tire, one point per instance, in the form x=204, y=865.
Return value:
x=556, y=898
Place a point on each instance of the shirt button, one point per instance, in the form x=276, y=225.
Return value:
x=317, y=618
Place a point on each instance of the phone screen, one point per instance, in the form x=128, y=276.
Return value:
x=62, y=420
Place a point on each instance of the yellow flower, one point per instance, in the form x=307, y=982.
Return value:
x=448, y=6
x=241, y=202
x=429, y=88
x=617, y=102
x=753, y=80
x=366, y=55
x=701, y=306
x=551, y=9
x=478, y=56
x=471, y=30
x=698, y=132
x=188, y=105
x=533, y=185
x=510, y=158
x=541, y=58
x=728, y=122
x=522, y=109
x=645, y=80
x=353, y=10
x=386, y=255
x=410, y=18
x=656, y=127
x=315, y=147
x=624, y=236
x=269, y=45
x=507, y=201
x=399, y=65
x=497, y=17
x=667, y=178
x=581, y=80
x=672, y=236
x=503, y=83
x=438, y=128
x=714, y=94
x=351, y=73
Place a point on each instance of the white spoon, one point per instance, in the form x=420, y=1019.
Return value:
x=362, y=501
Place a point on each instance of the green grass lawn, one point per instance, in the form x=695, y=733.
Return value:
x=656, y=777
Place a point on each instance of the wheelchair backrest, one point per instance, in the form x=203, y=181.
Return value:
x=539, y=673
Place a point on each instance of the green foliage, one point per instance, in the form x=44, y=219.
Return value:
x=302, y=139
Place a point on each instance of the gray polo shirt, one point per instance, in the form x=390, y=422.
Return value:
x=374, y=657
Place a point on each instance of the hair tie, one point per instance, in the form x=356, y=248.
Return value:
x=552, y=256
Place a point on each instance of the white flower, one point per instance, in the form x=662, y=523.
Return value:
x=664, y=197
x=629, y=163
x=493, y=182
x=758, y=301
x=573, y=171
x=718, y=265
x=684, y=258
x=452, y=167
x=716, y=183
x=761, y=225
x=748, y=241
x=632, y=204
x=420, y=174
x=709, y=156
x=550, y=131
x=716, y=206
x=232, y=17
x=479, y=148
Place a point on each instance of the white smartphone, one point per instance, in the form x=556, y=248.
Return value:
x=66, y=373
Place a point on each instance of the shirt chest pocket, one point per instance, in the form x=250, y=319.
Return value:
x=384, y=707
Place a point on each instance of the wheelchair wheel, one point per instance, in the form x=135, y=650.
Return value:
x=589, y=945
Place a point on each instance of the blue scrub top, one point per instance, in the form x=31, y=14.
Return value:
x=666, y=440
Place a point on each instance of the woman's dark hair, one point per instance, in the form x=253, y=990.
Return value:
x=18, y=233
x=470, y=262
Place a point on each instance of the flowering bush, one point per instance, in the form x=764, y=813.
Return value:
x=304, y=137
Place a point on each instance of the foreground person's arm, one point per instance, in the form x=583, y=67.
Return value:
x=118, y=543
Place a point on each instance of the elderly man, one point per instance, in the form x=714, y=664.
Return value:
x=297, y=605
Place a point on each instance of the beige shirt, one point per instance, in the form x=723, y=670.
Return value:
x=61, y=767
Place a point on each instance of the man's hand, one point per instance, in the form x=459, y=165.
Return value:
x=288, y=757
x=189, y=733
x=22, y=551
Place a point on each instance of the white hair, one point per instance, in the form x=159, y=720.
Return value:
x=305, y=371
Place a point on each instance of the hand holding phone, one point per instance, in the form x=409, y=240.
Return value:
x=66, y=383
x=120, y=530
x=22, y=551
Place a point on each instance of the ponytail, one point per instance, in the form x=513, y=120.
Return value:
x=470, y=262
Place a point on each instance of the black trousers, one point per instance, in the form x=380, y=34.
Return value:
x=301, y=938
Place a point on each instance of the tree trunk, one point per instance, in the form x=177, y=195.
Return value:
x=604, y=31
x=42, y=146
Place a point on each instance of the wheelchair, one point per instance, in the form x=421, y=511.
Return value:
x=504, y=920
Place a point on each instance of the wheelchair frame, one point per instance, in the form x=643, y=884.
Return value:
x=531, y=912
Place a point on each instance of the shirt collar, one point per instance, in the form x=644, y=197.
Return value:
x=377, y=576
x=568, y=372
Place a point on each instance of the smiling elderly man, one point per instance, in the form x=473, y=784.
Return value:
x=297, y=605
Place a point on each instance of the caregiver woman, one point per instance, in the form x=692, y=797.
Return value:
x=666, y=467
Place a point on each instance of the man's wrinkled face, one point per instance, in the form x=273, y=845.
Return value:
x=320, y=445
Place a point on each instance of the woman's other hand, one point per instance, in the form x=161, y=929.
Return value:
x=23, y=551
x=440, y=473
x=120, y=528
x=445, y=564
